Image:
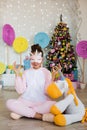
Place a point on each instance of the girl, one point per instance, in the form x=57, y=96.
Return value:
x=33, y=102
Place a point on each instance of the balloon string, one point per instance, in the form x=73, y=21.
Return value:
x=20, y=58
x=7, y=55
x=83, y=70
x=79, y=65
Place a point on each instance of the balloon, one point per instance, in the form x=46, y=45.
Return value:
x=20, y=44
x=42, y=39
x=8, y=34
x=81, y=49
x=2, y=68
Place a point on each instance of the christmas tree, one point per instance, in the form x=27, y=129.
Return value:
x=60, y=51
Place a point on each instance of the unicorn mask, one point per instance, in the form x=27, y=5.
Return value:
x=37, y=57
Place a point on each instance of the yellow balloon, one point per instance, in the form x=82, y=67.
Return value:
x=2, y=68
x=20, y=44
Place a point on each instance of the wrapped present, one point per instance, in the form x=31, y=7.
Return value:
x=75, y=72
x=75, y=84
x=73, y=78
x=70, y=76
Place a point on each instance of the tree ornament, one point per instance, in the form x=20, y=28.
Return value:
x=52, y=50
x=59, y=43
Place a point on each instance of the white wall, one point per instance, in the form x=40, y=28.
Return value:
x=83, y=27
x=82, y=33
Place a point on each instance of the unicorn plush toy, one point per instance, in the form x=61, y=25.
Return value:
x=68, y=110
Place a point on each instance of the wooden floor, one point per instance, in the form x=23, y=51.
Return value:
x=6, y=123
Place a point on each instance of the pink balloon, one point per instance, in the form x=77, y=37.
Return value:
x=8, y=34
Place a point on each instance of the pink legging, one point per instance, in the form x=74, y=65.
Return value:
x=28, y=109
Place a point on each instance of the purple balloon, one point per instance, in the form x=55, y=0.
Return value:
x=81, y=49
x=8, y=34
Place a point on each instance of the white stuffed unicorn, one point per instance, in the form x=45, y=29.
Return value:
x=68, y=110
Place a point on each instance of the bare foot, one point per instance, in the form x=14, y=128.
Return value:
x=15, y=116
x=38, y=116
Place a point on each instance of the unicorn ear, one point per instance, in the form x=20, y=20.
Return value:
x=36, y=52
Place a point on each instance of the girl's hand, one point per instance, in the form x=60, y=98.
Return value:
x=16, y=70
x=54, y=72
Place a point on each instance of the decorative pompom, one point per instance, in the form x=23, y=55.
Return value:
x=2, y=68
x=20, y=44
